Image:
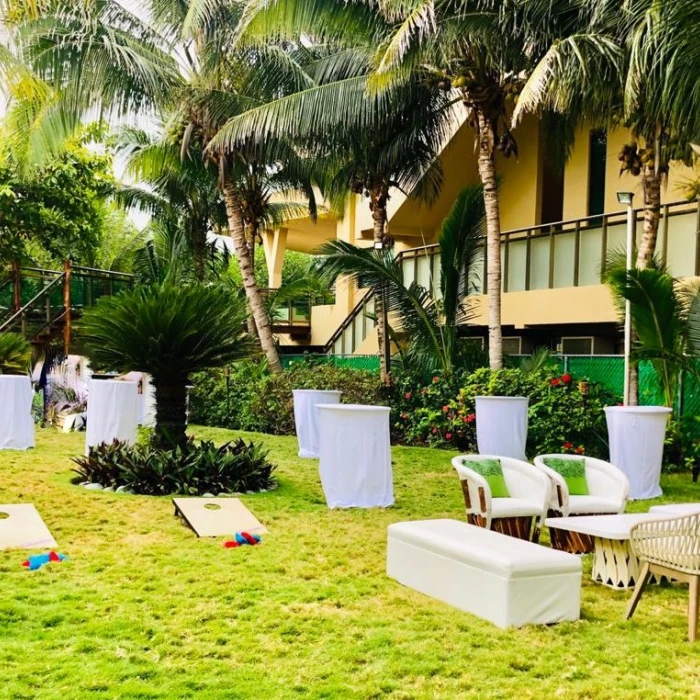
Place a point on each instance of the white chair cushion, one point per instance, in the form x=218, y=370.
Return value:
x=513, y=508
x=592, y=504
x=491, y=551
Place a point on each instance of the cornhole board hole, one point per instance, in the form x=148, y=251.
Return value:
x=21, y=527
x=215, y=517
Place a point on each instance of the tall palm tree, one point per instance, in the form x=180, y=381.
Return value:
x=630, y=65
x=429, y=322
x=172, y=186
x=481, y=51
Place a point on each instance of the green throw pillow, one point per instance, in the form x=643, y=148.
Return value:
x=573, y=471
x=491, y=470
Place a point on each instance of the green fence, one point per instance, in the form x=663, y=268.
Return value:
x=367, y=362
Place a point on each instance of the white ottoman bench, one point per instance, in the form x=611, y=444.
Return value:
x=507, y=581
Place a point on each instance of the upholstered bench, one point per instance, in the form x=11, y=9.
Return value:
x=507, y=581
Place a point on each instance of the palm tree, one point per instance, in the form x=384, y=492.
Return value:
x=176, y=188
x=634, y=66
x=430, y=323
x=665, y=318
x=168, y=330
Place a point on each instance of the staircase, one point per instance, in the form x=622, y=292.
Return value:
x=42, y=304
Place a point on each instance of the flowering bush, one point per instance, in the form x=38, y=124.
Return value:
x=441, y=412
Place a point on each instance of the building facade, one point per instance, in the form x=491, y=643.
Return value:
x=559, y=223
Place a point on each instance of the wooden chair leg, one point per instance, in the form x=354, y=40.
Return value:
x=639, y=587
x=693, y=600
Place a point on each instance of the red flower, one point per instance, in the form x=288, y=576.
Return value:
x=567, y=445
x=448, y=436
x=436, y=380
x=407, y=396
x=445, y=409
x=434, y=431
x=556, y=381
x=566, y=378
x=471, y=418
x=404, y=416
x=580, y=450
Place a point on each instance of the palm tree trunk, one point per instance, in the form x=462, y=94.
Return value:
x=250, y=321
x=651, y=181
x=379, y=216
x=171, y=414
x=487, y=173
x=245, y=262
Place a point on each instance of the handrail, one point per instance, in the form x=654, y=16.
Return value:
x=348, y=320
x=36, y=297
x=80, y=269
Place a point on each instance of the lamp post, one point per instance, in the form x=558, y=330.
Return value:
x=380, y=246
x=627, y=198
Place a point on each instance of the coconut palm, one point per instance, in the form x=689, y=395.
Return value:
x=168, y=330
x=629, y=65
x=428, y=322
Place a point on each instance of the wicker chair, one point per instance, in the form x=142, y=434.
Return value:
x=671, y=548
x=608, y=493
x=521, y=515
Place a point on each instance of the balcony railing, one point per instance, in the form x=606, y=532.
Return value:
x=569, y=253
x=288, y=315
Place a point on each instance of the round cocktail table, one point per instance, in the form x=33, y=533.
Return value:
x=614, y=562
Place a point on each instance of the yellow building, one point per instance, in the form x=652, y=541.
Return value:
x=558, y=227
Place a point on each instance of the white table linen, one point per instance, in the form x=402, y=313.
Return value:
x=636, y=435
x=113, y=412
x=306, y=418
x=16, y=422
x=501, y=426
x=355, y=456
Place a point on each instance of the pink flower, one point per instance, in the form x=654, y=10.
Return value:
x=448, y=436
x=407, y=396
x=436, y=380
x=434, y=431
x=471, y=418
x=404, y=416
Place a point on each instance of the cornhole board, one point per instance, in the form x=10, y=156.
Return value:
x=214, y=517
x=21, y=527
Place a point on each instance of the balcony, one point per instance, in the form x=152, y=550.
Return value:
x=290, y=316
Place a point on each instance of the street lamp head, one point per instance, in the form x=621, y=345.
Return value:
x=625, y=197
x=379, y=245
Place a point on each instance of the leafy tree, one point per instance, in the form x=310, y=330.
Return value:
x=168, y=330
x=428, y=322
x=57, y=211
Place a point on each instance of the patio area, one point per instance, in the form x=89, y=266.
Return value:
x=143, y=609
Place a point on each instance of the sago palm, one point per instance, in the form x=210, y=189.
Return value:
x=15, y=354
x=169, y=331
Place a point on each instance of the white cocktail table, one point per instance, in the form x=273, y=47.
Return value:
x=16, y=422
x=614, y=563
x=306, y=419
x=112, y=412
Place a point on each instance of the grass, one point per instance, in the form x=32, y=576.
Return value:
x=145, y=610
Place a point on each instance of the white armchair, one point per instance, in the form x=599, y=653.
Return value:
x=520, y=515
x=608, y=491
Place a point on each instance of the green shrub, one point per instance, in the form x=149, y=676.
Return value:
x=190, y=469
x=15, y=354
x=442, y=413
x=263, y=402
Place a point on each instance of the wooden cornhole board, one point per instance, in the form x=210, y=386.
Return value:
x=23, y=528
x=208, y=520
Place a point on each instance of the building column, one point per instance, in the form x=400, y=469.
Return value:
x=274, y=246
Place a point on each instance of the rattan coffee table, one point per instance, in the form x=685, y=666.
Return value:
x=614, y=563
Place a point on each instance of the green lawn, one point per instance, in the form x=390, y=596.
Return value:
x=145, y=610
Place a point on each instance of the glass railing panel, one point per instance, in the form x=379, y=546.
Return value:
x=590, y=256
x=301, y=311
x=517, y=265
x=423, y=271
x=564, y=256
x=338, y=346
x=539, y=263
x=680, y=255
x=476, y=275
x=408, y=265
x=359, y=325
x=437, y=276
x=617, y=238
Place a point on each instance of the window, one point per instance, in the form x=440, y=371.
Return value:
x=597, y=158
x=576, y=346
x=512, y=345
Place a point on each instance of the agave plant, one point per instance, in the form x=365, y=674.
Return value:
x=169, y=331
x=15, y=354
